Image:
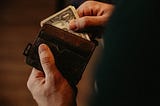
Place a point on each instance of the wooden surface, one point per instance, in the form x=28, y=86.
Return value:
x=19, y=24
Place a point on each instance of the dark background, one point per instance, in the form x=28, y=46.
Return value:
x=19, y=24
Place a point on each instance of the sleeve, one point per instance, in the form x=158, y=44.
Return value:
x=128, y=74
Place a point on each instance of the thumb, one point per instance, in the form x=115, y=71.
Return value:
x=47, y=60
x=86, y=22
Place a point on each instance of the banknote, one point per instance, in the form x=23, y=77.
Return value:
x=61, y=20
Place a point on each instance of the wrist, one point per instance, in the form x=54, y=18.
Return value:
x=60, y=101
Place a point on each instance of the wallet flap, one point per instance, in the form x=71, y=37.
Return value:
x=77, y=43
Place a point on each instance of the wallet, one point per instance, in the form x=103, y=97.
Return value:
x=71, y=52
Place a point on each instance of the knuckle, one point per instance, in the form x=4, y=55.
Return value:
x=85, y=22
x=46, y=60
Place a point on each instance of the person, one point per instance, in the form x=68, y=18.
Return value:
x=128, y=73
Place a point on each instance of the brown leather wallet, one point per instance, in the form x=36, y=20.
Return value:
x=71, y=52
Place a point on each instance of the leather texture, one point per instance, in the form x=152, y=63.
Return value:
x=71, y=52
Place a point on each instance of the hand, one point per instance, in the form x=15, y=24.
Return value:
x=49, y=88
x=92, y=14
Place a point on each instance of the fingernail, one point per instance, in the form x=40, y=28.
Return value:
x=72, y=25
x=42, y=48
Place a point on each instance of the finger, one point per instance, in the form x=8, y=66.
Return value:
x=90, y=8
x=47, y=60
x=86, y=11
x=36, y=73
x=72, y=25
x=87, y=21
x=35, y=77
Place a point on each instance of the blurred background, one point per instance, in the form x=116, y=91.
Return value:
x=19, y=24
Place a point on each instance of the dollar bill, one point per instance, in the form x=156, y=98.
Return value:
x=61, y=20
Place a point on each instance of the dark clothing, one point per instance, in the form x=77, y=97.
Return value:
x=129, y=73
x=107, y=1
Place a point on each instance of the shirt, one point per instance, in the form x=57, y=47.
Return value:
x=129, y=71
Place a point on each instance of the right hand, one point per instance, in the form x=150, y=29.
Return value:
x=92, y=14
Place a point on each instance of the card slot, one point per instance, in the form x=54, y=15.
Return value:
x=73, y=65
x=74, y=42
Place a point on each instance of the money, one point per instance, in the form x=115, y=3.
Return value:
x=61, y=20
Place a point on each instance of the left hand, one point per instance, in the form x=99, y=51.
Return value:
x=49, y=88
